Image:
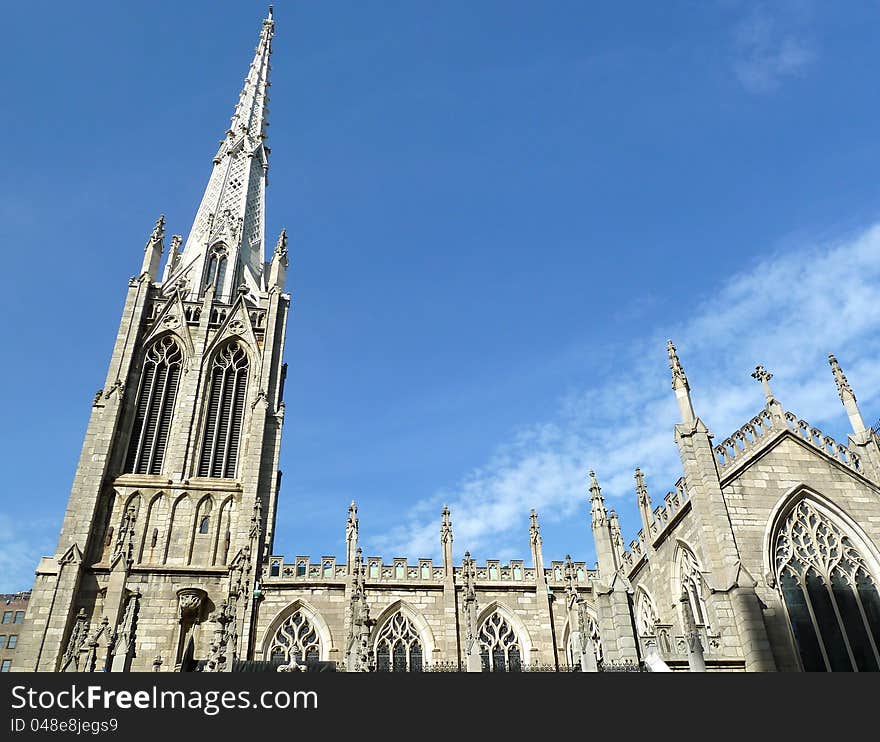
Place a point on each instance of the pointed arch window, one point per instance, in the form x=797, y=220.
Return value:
x=215, y=270
x=295, y=641
x=225, y=412
x=499, y=646
x=155, y=406
x=646, y=615
x=829, y=593
x=691, y=580
x=398, y=646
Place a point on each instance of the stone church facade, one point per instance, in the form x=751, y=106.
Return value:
x=763, y=556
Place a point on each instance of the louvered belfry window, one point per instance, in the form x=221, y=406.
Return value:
x=155, y=407
x=215, y=271
x=223, y=420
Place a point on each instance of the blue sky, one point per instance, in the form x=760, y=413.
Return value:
x=498, y=213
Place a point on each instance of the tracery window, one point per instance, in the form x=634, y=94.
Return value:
x=295, y=640
x=831, y=597
x=499, y=646
x=155, y=407
x=646, y=615
x=225, y=412
x=691, y=578
x=398, y=646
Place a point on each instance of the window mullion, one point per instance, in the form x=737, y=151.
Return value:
x=820, y=639
x=840, y=623
x=865, y=621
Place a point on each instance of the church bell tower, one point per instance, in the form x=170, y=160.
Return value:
x=172, y=507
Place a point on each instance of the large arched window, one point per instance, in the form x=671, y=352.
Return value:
x=829, y=594
x=499, y=646
x=691, y=581
x=225, y=412
x=295, y=640
x=155, y=407
x=398, y=646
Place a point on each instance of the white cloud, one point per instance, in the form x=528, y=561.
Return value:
x=770, y=46
x=788, y=312
x=22, y=543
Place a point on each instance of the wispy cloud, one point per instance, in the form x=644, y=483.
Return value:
x=787, y=311
x=770, y=44
x=22, y=543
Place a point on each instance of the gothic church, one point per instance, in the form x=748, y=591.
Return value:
x=762, y=557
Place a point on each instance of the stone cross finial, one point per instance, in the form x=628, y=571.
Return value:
x=679, y=378
x=764, y=376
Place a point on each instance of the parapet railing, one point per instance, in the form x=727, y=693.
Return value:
x=754, y=433
x=493, y=571
x=664, y=515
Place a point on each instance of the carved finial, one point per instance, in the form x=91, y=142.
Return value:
x=158, y=231
x=569, y=574
x=595, y=489
x=680, y=385
x=281, y=245
x=271, y=13
x=679, y=378
x=763, y=375
x=351, y=525
x=597, y=502
x=847, y=396
x=445, y=526
x=641, y=487
x=843, y=388
x=534, y=527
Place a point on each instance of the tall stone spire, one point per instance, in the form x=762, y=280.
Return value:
x=230, y=221
x=680, y=385
x=846, y=396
